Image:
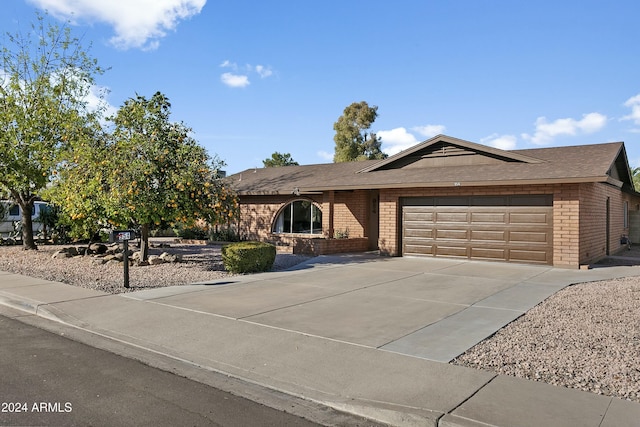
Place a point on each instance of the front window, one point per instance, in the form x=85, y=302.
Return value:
x=301, y=217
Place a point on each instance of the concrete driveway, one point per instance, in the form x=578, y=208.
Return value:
x=431, y=308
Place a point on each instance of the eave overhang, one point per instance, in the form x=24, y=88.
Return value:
x=502, y=183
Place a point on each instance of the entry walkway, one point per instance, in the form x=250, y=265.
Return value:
x=359, y=333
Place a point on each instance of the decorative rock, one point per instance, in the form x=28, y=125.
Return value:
x=108, y=258
x=97, y=260
x=62, y=253
x=71, y=250
x=155, y=260
x=100, y=248
x=167, y=257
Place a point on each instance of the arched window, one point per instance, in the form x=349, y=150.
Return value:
x=300, y=216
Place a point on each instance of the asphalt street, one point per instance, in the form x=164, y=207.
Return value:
x=48, y=379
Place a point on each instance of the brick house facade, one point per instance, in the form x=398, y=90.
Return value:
x=564, y=206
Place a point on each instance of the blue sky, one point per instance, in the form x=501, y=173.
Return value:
x=255, y=77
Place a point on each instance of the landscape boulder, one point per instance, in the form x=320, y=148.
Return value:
x=167, y=257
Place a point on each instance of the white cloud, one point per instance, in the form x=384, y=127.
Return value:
x=325, y=155
x=634, y=104
x=503, y=142
x=95, y=96
x=546, y=132
x=97, y=99
x=396, y=140
x=235, y=80
x=136, y=23
x=240, y=75
x=263, y=71
x=399, y=139
x=429, y=130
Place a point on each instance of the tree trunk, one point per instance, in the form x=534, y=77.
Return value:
x=95, y=238
x=144, y=242
x=27, y=227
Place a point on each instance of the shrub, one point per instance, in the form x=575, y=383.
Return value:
x=248, y=257
x=339, y=234
x=194, y=232
x=226, y=234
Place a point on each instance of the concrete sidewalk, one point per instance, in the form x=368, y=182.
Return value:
x=361, y=334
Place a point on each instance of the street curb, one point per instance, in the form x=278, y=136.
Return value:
x=322, y=412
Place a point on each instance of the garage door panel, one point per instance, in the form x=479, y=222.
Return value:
x=451, y=217
x=452, y=234
x=419, y=249
x=529, y=256
x=418, y=216
x=488, y=217
x=454, y=251
x=419, y=232
x=418, y=224
x=481, y=229
x=529, y=237
x=528, y=218
x=488, y=253
x=489, y=235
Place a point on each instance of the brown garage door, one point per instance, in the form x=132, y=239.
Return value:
x=504, y=228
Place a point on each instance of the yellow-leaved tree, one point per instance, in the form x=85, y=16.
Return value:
x=146, y=172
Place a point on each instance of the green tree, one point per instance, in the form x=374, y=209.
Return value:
x=635, y=174
x=80, y=185
x=157, y=173
x=352, y=140
x=278, y=159
x=45, y=77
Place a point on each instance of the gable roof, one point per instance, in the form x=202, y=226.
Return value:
x=461, y=163
x=446, y=148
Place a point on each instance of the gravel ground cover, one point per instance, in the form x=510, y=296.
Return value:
x=201, y=263
x=586, y=336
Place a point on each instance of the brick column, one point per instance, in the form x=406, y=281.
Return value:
x=566, y=227
x=329, y=202
x=388, y=211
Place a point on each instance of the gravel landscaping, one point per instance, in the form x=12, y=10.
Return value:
x=586, y=336
x=200, y=263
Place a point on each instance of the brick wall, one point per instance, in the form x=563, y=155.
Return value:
x=350, y=212
x=329, y=246
x=389, y=234
x=593, y=220
x=579, y=217
x=258, y=213
x=566, y=226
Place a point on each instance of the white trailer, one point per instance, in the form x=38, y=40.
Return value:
x=13, y=213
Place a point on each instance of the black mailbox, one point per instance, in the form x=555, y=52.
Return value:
x=120, y=236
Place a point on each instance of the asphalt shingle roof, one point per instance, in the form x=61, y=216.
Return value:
x=582, y=163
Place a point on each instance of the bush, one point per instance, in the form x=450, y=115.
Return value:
x=195, y=232
x=226, y=234
x=248, y=257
